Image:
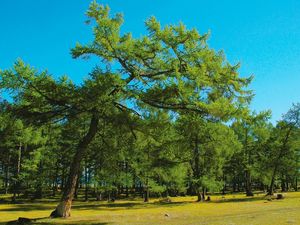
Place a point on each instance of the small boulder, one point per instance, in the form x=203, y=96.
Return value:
x=279, y=196
x=165, y=200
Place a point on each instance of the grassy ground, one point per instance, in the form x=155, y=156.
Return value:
x=231, y=210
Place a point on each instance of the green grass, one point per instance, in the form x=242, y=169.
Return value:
x=231, y=210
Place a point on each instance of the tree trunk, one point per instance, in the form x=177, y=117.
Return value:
x=224, y=186
x=16, y=182
x=77, y=187
x=199, y=196
x=55, y=185
x=64, y=207
x=39, y=184
x=234, y=186
x=283, y=185
x=146, y=195
x=86, y=182
x=141, y=189
x=281, y=153
x=196, y=168
x=271, y=187
x=6, y=178
x=248, y=184
x=127, y=189
x=63, y=178
x=203, y=194
x=146, y=192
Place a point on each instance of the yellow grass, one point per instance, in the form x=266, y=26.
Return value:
x=231, y=210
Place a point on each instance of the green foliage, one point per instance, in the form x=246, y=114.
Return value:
x=163, y=112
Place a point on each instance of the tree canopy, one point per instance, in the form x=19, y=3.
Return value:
x=161, y=114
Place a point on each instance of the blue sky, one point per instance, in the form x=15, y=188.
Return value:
x=263, y=35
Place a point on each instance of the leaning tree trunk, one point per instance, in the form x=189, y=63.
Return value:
x=63, y=209
x=271, y=187
x=281, y=153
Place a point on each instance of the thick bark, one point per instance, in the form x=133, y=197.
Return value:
x=64, y=207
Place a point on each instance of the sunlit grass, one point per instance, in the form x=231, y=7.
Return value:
x=231, y=209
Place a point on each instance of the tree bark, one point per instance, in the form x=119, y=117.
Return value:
x=63, y=209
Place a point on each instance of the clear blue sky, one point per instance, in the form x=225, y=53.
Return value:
x=263, y=35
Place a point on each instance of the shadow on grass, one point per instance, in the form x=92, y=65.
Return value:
x=80, y=222
x=49, y=221
x=126, y=205
x=245, y=199
x=27, y=208
x=55, y=222
x=120, y=205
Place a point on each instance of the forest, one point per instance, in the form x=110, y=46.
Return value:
x=161, y=115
